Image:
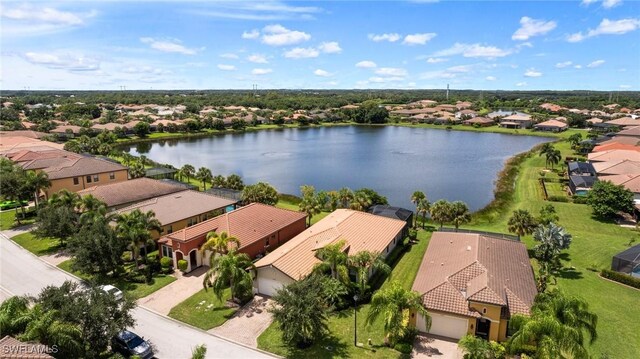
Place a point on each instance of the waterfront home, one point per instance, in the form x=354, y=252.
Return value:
x=580, y=185
x=633, y=132
x=614, y=155
x=258, y=227
x=516, y=121
x=296, y=259
x=628, y=181
x=551, y=125
x=121, y=194
x=400, y=213
x=479, y=121
x=580, y=169
x=624, y=122
x=67, y=131
x=615, y=145
x=627, y=261
x=466, y=114
x=179, y=210
x=617, y=167
x=473, y=284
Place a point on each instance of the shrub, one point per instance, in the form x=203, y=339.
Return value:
x=620, y=278
x=404, y=348
x=413, y=234
x=166, y=262
x=126, y=257
x=182, y=265
x=580, y=199
x=558, y=199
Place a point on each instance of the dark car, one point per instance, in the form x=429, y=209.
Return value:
x=128, y=344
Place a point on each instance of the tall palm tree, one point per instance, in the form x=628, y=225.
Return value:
x=137, y=170
x=309, y=204
x=422, y=209
x=219, y=242
x=218, y=181
x=233, y=270
x=44, y=327
x=180, y=174
x=65, y=198
x=545, y=148
x=134, y=228
x=333, y=259
x=459, y=213
x=204, y=175
x=553, y=157
x=361, y=201
x=521, y=223
x=366, y=262
x=346, y=196
x=188, y=171
x=416, y=197
x=91, y=207
x=127, y=158
x=38, y=180
x=441, y=212
x=395, y=305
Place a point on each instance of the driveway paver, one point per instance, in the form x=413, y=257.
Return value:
x=173, y=294
x=432, y=346
x=247, y=323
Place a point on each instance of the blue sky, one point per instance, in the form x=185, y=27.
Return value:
x=563, y=45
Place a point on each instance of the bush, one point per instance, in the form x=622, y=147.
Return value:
x=580, y=199
x=558, y=199
x=182, y=265
x=620, y=278
x=126, y=257
x=166, y=262
x=404, y=348
x=413, y=234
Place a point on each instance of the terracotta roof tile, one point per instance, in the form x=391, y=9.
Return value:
x=23, y=350
x=139, y=189
x=82, y=166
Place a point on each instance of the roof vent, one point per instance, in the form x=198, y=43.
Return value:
x=468, y=248
x=442, y=264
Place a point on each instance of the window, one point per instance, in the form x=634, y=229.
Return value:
x=484, y=310
x=170, y=229
x=76, y=181
x=266, y=242
x=387, y=250
x=112, y=176
x=167, y=251
x=96, y=178
x=88, y=179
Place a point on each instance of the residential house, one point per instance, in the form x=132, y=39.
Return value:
x=623, y=122
x=633, y=132
x=473, y=284
x=258, y=227
x=121, y=194
x=466, y=114
x=400, y=213
x=296, y=259
x=594, y=120
x=580, y=185
x=628, y=181
x=516, y=121
x=183, y=209
x=12, y=348
x=580, y=169
x=614, y=145
x=627, y=261
x=617, y=167
x=479, y=121
x=551, y=125
x=551, y=107
x=67, y=131
x=614, y=155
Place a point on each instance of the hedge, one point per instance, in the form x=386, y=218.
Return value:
x=620, y=278
x=558, y=199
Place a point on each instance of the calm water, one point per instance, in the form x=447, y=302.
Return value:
x=395, y=161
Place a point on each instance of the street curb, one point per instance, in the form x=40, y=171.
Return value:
x=141, y=306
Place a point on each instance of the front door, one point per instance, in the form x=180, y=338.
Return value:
x=193, y=259
x=482, y=328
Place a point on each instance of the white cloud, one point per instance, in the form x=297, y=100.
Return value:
x=448, y=73
x=607, y=27
x=72, y=63
x=257, y=11
x=435, y=60
x=378, y=79
x=224, y=67
x=608, y=4
x=302, y=53
x=330, y=47
x=391, y=71
x=577, y=67
x=145, y=70
x=532, y=73
x=564, y=64
x=532, y=27
x=366, y=64
x=322, y=73
x=27, y=19
x=521, y=84
x=251, y=35
x=596, y=63
x=229, y=56
x=588, y=2
x=625, y=86
x=258, y=59
x=418, y=39
x=473, y=50
x=490, y=78
x=391, y=37
x=278, y=35
x=261, y=71
x=173, y=46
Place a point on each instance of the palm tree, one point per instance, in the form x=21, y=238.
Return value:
x=232, y=270
x=365, y=263
x=38, y=181
x=218, y=181
x=13, y=311
x=180, y=174
x=333, y=259
x=459, y=214
x=395, y=305
x=441, y=212
x=64, y=198
x=234, y=181
x=204, y=175
x=545, y=148
x=91, y=207
x=416, y=198
x=346, y=196
x=134, y=228
x=127, y=158
x=361, y=201
x=309, y=204
x=137, y=170
x=199, y=352
x=553, y=157
x=219, y=243
x=188, y=171
x=423, y=209
x=44, y=327
x=521, y=223
x=553, y=239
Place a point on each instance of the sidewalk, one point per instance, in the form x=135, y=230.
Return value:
x=173, y=294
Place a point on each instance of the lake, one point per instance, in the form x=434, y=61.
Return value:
x=395, y=161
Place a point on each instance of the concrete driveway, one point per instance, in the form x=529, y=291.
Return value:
x=247, y=323
x=432, y=346
x=173, y=294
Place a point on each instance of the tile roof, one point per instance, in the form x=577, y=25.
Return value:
x=614, y=155
x=629, y=181
x=360, y=230
x=9, y=144
x=459, y=267
x=139, y=189
x=177, y=206
x=23, y=133
x=611, y=145
x=551, y=123
x=517, y=117
x=631, y=131
x=12, y=348
x=82, y=166
x=249, y=224
x=624, y=122
x=618, y=168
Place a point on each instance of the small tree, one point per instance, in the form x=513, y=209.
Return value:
x=300, y=312
x=606, y=200
x=142, y=129
x=553, y=157
x=188, y=171
x=522, y=222
x=364, y=263
x=575, y=140
x=260, y=192
x=441, y=212
x=459, y=214
x=548, y=214
x=478, y=348
x=416, y=198
x=204, y=175
x=230, y=270
x=96, y=249
x=234, y=181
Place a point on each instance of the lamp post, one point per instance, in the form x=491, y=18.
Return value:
x=355, y=320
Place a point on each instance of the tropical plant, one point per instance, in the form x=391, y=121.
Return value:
x=188, y=171
x=204, y=175
x=92, y=208
x=553, y=157
x=219, y=242
x=441, y=212
x=553, y=239
x=309, y=203
x=137, y=170
x=96, y=248
x=361, y=201
x=38, y=180
x=230, y=270
x=395, y=304
x=422, y=210
x=334, y=261
x=607, y=199
x=521, y=223
x=218, y=181
x=199, y=352
x=548, y=214
x=346, y=196
x=546, y=148
x=235, y=182
x=12, y=315
x=364, y=263
x=134, y=227
x=45, y=327
x=575, y=140
x=478, y=348
x=260, y=192
x=459, y=214
x=416, y=198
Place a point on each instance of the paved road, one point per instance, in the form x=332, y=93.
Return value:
x=23, y=273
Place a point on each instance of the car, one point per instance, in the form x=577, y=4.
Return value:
x=11, y=204
x=128, y=343
x=109, y=289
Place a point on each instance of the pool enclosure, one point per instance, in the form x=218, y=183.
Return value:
x=627, y=261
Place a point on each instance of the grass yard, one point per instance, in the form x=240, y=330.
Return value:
x=7, y=219
x=289, y=204
x=339, y=342
x=39, y=247
x=203, y=310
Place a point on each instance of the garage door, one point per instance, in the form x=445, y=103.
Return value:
x=444, y=325
x=268, y=286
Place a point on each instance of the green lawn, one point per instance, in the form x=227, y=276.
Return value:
x=39, y=247
x=339, y=343
x=203, y=310
x=7, y=219
x=288, y=204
